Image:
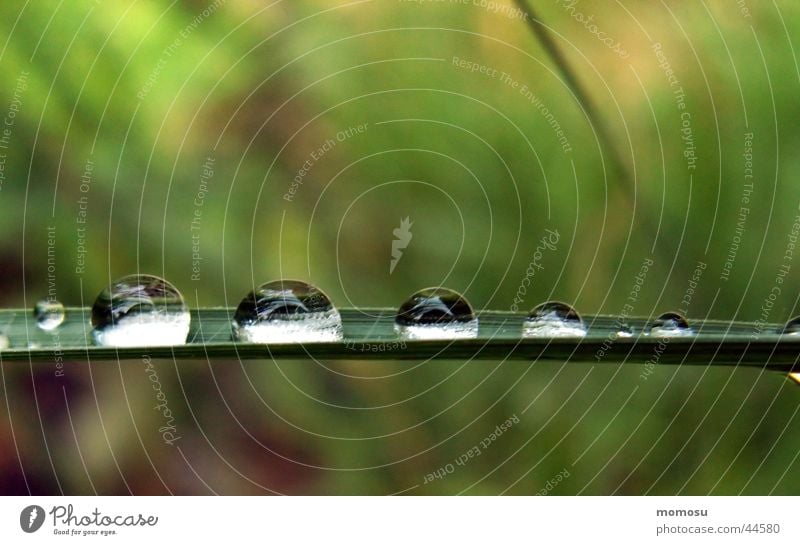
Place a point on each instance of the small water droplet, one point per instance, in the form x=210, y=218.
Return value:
x=436, y=314
x=140, y=310
x=670, y=324
x=287, y=311
x=792, y=327
x=49, y=314
x=624, y=331
x=554, y=319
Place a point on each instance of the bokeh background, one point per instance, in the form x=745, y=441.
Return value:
x=124, y=123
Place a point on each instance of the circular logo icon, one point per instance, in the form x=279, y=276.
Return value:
x=31, y=518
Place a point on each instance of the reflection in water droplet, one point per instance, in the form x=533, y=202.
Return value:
x=624, y=331
x=553, y=319
x=792, y=327
x=140, y=310
x=436, y=314
x=4, y=344
x=287, y=311
x=49, y=314
x=670, y=324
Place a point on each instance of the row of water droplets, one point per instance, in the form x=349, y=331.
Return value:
x=145, y=310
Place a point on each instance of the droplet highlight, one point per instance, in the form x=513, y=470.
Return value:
x=286, y=311
x=436, y=314
x=140, y=310
x=49, y=314
x=553, y=319
x=670, y=324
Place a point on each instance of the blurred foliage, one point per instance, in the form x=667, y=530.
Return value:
x=145, y=93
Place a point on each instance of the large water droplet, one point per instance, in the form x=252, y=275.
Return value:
x=140, y=310
x=670, y=324
x=287, y=311
x=554, y=319
x=436, y=314
x=49, y=314
x=792, y=327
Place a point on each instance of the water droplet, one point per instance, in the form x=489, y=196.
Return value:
x=49, y=314
x=436, y=314
x=670, y=324
x=624, y=331
x=140, y=310
x=792, y=327
x=554, y=319
x=287, y=311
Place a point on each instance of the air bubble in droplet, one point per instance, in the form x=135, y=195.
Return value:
x=49, y=314
x=792, y=327
x=140, y=310
x=287, y=311
x=670, y=324
x=436, y=314
x=553, y=319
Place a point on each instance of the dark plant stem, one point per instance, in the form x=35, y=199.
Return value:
x=623, y=174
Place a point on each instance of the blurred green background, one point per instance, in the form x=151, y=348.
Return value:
x=165, y=137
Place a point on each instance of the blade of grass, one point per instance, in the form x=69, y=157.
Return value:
x=369, y=334
x=623, y=174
